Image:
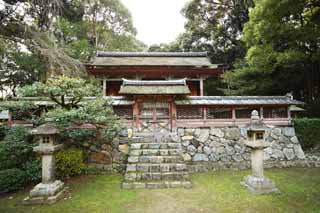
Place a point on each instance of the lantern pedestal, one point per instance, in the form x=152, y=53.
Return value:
x=46, y=193
x=49, y=190
x=257, y=183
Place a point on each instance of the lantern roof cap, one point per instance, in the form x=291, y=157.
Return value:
x=46, y=129
x=256, y=123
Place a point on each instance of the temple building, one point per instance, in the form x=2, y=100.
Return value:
x=155, y=91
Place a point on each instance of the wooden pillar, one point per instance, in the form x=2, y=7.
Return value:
x=261, y=112
x=136, y=114
x=104, y=87
x=201, y=86
x=173, y=115
x=289, y=115
x=234, y=114
x=204, y=114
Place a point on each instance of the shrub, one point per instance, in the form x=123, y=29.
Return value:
x=69, y=163
x=32, y=170
x=308, y=131
x=15, y=154
x=11, y=180
x=3, y=131
x=18, y=134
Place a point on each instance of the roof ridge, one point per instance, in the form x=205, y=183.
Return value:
x=128, y=82
x=151, y=54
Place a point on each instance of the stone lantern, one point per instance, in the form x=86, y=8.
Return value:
x=49, y=190
x=257, y=183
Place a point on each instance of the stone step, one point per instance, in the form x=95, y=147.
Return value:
x=155, y=146
x=156, y=184
x=148, y=176
x=164, y=167
x=157, y=152
x=155, y=159
x=151, y=140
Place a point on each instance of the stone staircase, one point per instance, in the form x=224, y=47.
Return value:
x=155, y=161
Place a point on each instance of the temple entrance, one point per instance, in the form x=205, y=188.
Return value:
x=154, y=116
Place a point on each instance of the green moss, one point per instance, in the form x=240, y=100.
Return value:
x=211, y=192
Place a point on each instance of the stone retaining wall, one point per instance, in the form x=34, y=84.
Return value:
x=213, y=149
x=111, y=155
x=219, y=166
x=226, y=144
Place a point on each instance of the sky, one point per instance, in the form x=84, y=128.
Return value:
x=157, y=21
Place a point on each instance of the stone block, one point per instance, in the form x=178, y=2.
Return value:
x=185, y=143
x=130, y=176
x=133, y=159
x=200, y=157
x=143, y=167
x=175, y=138
x=207, y=150
x=299, y=152
x=181, y=167
x=186, y=157
x=135, y=152
x=131, y=167
x=135, y=146
x=187, y=137
x=294, y=139
x=237, y=158
x=180, y=132
x=106, y=147
x=100, y=157
x=288, y=131
x=204, y=135
x=154, y=146
x=164, y=168
x=289, y=153
x=124, y=148
x=164, y=152
x=283, y=139
x=174, y=146
x=217, y=132
x=232, y=134
x=189, y=132
x=191, y=149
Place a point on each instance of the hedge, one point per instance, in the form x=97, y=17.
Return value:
x=11, y=180
x=308, y=131
x=69, y=162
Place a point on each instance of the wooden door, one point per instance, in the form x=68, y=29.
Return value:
x=155, y=116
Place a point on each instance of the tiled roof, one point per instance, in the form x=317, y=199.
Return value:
x=151, y=54
x=187, y=59
x=238, y=100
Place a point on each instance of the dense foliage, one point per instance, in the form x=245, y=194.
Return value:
x=66, y=92
x=3, y=131
x=283, y=50
x=40, y=39
x=11, y=180
x=69, y=162
x=73, y=110
x=308, y=132
x=19, y=165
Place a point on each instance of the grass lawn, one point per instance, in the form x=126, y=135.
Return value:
x=211, y=192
